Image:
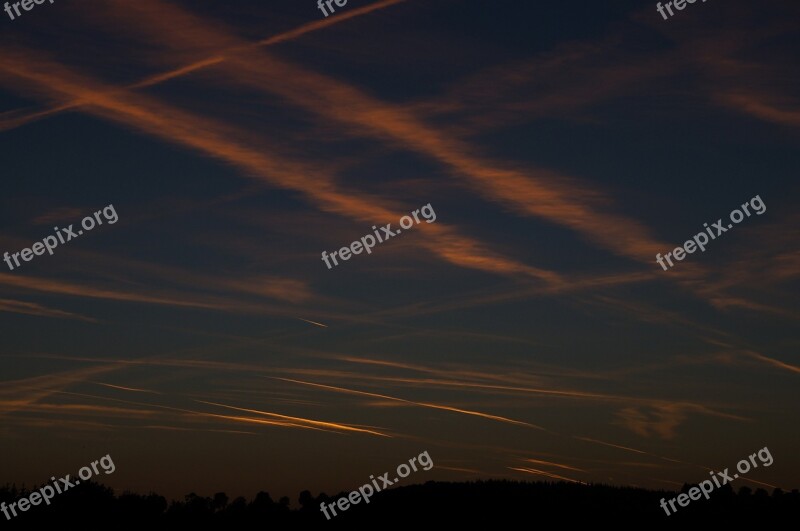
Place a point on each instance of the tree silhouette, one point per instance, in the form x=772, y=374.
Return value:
x=497, y=503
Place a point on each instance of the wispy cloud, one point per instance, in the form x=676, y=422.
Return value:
x=30, y=308
x=545, y=474
x=414, y=403
x=550, y=463
x=18, y=395
x=13, y=119
x=773, y=362
x=123, y=388
x=218, y=140
x=313, y=322
x=318, y=423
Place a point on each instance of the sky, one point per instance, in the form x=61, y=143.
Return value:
x=198, y=337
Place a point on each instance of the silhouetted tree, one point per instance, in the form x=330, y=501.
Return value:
x=220, y=501
x=450, y=505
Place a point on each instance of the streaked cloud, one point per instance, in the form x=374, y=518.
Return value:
x=543, y=473
x=31, y=308
x=413, y=403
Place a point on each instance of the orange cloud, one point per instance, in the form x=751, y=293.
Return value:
x=411, y=402
x=331, y=425
x=20, y=394
x=215, y=139
x=545, y=474
x=557, y=465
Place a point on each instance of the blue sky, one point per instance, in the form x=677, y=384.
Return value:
x=202, y=342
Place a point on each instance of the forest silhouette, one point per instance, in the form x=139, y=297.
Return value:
x=92, y=505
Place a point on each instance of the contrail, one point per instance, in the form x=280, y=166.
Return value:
x=323, y=424
x=420, y=404
x=13, y=122
x=312, y=322
x=546, y=474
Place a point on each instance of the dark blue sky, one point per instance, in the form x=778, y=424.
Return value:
x=203, y=343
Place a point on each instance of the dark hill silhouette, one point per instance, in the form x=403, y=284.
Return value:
x=505, y=503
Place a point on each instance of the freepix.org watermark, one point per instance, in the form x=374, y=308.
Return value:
x=48, y=492
x=365, y=491
x=701, y=239
x=27, y=5
x=680, y=5
x=368, y=242
x=706, y=487
x=340, y=3
x=51, y=242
